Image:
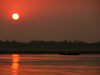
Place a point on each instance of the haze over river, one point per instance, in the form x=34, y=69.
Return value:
x=49, y=64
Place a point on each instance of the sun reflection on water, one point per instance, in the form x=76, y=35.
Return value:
x=15, y=64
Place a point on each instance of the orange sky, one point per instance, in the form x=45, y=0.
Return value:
x=50, y=20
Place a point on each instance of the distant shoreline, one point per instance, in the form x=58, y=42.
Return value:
x=48, y=47
x=45, y=53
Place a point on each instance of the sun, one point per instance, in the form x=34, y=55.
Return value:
x=15, y=16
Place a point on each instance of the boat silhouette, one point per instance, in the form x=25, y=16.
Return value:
x=69, y=53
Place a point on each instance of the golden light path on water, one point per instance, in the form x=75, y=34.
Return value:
x=15, y=64
x=49, y=65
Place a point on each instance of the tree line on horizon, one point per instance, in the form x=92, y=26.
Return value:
x=34, y=44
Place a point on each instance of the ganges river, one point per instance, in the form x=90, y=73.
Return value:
x=49, y=64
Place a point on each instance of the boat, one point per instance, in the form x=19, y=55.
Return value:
x=69, y=53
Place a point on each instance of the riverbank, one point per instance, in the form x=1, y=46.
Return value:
x=48, y=51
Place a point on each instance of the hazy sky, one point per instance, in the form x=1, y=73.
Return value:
x=50, y=20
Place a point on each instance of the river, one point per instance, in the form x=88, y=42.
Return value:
x=49, y=64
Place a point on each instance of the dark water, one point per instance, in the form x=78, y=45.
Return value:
x=49, y=65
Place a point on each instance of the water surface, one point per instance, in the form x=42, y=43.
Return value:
x=30, y=64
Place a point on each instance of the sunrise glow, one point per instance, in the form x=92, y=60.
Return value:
x=15, y=16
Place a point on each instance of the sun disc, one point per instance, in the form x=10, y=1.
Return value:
x=15, y=16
